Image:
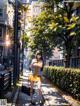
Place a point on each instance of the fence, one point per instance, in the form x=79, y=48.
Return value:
x=6, y=80
x=74, y=62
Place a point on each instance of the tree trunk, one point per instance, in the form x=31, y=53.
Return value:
x=67, y=55
x=67, y=61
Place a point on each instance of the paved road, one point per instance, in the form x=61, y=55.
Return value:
x=50, y=93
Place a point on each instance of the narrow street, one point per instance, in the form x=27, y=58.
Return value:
x=51, y=94
x=35, y=34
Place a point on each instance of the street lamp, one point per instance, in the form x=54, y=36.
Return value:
x=7, y=43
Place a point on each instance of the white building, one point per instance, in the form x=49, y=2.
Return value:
x=33, y=10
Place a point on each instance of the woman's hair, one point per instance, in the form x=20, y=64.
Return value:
x=39, y=53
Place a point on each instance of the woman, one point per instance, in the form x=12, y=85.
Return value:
x=36, y=66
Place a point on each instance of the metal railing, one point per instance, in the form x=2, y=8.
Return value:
x=74, y=62
x=6, y=80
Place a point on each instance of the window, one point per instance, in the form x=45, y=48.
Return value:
x=1, y=12
x=36, y=9
x=1, y=32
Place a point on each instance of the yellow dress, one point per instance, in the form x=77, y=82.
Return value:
x=34, y=77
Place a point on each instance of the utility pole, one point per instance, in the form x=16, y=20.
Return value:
x=16, y=49
x=16, y=46
x=23, y=38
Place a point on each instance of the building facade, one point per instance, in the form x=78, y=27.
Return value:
x=33, y=10
x=6, y=26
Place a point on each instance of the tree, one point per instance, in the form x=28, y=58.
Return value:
x=25, y=39
x=40, y=40
x=56, y=28
x=22, y=10
x=67, y=30
x=64, y=27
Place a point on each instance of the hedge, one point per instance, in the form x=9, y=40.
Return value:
x=68, y=79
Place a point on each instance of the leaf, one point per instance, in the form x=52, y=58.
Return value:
x=53, y=25
x=71, y=26
x=55, y=29
x=59, y=16
x=66, y=19
x=72, y=33
x=74, y=18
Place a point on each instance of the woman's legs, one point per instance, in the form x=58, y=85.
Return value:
x=40, y=91
x=31, y=88
x=39, y=87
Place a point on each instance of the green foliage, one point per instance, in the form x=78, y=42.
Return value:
x=58, y=28
x=40, y=35
x=64, y=24
x=67, y=79
x=25, y=40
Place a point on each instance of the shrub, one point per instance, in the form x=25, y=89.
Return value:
x=68, y=79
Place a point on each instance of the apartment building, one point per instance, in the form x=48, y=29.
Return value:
x=33, y=10
x=6, y=26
